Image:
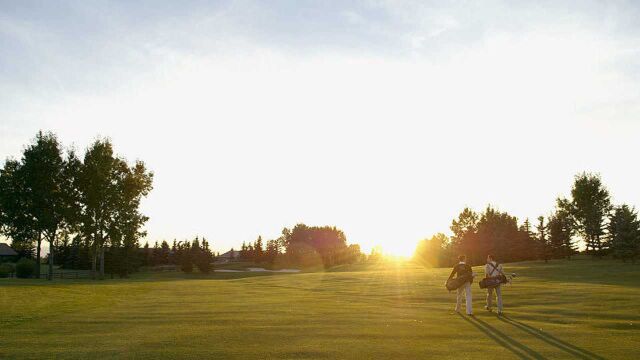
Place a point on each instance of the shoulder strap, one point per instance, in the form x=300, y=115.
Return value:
x=495, y=267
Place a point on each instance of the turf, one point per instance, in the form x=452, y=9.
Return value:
x=579, y=309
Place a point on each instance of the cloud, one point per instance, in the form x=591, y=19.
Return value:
x=257, y=115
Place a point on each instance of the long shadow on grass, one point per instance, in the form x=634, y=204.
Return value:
x=520, y=350
x=551, y=340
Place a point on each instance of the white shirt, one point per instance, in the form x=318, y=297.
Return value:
x=490, y=271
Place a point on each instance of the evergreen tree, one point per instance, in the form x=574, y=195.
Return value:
x=250, y=253
x=525, y=242
x=624, y=233
x=543, y=240
x=164, y=252
x=186, y=262
x=146, y=255
x=561, y=234
x=156, y=255
x=272, y=251
x=244, y=252
x=258, y=250
x=174, y=253
x=589, y=207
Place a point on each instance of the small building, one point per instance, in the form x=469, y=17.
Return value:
x=7, y=253
x=231, y=255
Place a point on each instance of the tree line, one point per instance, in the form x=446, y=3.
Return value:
x=88, y=205
x=87, y=210
x=586, y=218
x=187, y=255
x=304, y=246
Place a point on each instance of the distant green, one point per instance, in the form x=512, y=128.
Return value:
x=578, y=309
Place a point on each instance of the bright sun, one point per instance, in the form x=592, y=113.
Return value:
x=399, y=249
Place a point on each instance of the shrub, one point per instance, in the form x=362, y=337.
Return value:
x=25, y=268
x=6, y=269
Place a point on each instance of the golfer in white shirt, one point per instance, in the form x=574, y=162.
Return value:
x=493, y=269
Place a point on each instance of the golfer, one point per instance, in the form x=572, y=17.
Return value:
x=493, y=269
x=463, y=270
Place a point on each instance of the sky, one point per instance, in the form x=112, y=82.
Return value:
x=383, y=118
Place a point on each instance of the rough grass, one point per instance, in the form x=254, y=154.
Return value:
x=579, y=309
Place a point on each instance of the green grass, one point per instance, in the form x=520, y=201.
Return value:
x=580, y=309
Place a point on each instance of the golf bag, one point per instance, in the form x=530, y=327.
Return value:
x=455, y=283
x=494, y=281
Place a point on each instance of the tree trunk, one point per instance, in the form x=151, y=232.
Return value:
x=102, y=263
x=52, y=247
x=38, y=255
x=94, y=256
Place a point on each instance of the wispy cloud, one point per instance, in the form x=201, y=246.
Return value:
x=408, y=107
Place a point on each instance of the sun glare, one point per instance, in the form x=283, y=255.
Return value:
x=398, y=249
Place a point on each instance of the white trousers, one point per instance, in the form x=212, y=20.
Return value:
x=498, y=295
x=466, y=290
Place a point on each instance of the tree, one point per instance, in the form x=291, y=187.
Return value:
x=624, y=233
x=525, y=242
x=561, y=234
x=164, y=252
x=353, y=254
x=497, y=232
x=186, y=263
x=200, y=255
x=258, y=250
x=311, y=245
x=146, y=255
x=110, y=195
x=174, y=253
x=132, y=184
x=72, y=208
x=272, y=252
x=433, y=252
x=543, y=241
x=464, y=230
x=490, y=232
x=43, y=195
x=15, y=221
x=250, y=252
x=184, y=256
x=91, y=204
x=244, y=252
x=97, y=185
x=589, y=207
